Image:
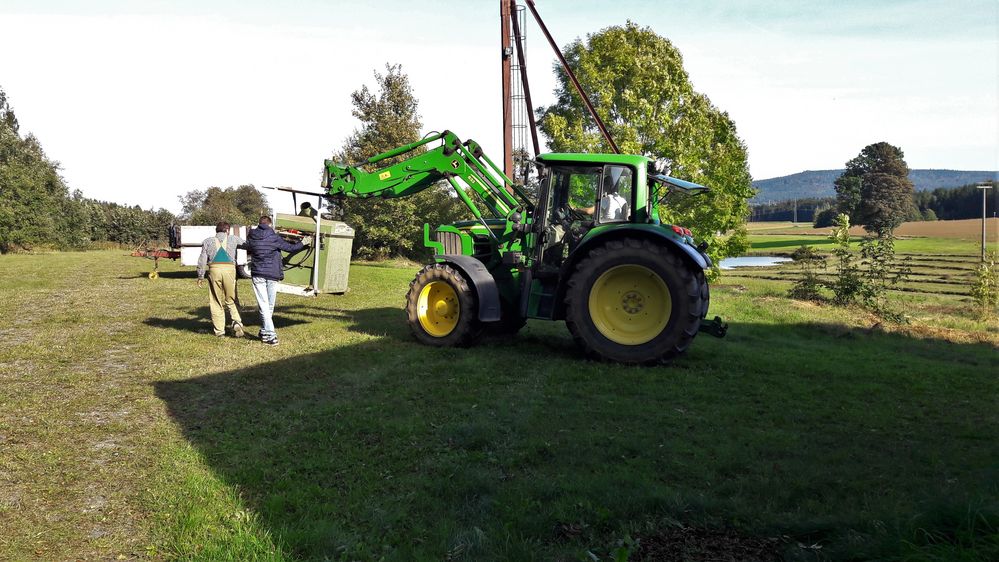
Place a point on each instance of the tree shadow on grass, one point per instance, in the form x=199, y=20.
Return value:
x=198, y=319
x=518, y=449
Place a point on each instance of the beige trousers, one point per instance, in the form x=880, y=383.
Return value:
x=222, y=295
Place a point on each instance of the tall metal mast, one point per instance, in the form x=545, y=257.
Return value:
x=506, y=54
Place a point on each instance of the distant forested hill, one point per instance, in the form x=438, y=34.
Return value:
x=819, y=183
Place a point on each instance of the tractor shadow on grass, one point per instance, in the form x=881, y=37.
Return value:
x=518, y=449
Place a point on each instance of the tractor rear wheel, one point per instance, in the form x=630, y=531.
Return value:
x=441, y=308
x=634, y=301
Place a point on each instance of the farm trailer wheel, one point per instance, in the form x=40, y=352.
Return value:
x=441, y=308
x=634, y=301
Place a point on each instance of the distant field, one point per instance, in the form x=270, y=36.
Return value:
x=942, y=255
x=969, y=229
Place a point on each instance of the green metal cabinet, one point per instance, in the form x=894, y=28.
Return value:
x=333, y=243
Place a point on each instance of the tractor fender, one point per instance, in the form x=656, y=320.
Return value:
x=481, y=280
x=691, y=255
x=688, y=252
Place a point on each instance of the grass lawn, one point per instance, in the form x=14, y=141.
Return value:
x=778, y=244
x=128, y=432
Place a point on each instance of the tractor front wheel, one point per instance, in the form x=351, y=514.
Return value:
x=634, y=301
x=441, y=307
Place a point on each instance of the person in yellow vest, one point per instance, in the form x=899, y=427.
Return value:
x=218, y=257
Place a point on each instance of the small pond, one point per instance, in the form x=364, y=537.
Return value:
x=751, y=261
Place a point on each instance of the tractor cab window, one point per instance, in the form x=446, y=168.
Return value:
x=615, y=194
x=571, y=209
x=574, y=192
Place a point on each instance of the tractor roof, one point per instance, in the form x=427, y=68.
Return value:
x=581, y=158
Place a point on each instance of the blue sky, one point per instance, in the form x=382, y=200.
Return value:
x=144, y=101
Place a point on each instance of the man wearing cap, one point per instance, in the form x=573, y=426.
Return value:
x=218, y=257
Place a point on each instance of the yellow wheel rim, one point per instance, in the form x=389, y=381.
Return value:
x=438, y=308
x=153, y=275
x=630, y=304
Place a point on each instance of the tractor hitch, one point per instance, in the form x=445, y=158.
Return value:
x=715, y=327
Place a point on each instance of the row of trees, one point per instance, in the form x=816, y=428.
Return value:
x=963, y=202
x=33, y=196
x=943, y=203
x=37, y=209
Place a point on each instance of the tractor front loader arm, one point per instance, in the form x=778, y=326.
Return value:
x=449, y=161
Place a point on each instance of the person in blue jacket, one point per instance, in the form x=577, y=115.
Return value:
x=264, y=247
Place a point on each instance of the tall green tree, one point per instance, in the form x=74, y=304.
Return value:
x=875, y=189
x=235, y=205
x=37, y=209
x=390, y=118
x=32, y=192
x=639, y=87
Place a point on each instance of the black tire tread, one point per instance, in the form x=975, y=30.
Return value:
x=677, y=336
x=468, y=330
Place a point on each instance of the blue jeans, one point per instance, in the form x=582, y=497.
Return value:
x=266, y=292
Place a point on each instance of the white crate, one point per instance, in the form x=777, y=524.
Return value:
x=195, y=235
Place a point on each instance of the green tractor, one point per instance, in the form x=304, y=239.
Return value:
x=588, y=249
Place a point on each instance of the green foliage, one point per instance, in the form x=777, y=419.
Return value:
x=870, y=284
x=886, y=202
x=31, y=190
x=848, y=194
x=802, y=209
x=121, y=224
x=36, y=208
x=825, y=218
x=847, y=285
x=392, y=227
x=985, y=291
x=235, y=205
x=875, y=188
x=639, y=87
x=883, y=272
x=963, y=202
x=807, y=286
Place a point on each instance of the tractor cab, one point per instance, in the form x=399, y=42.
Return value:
x=582, y=192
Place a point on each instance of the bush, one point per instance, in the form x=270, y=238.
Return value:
x=847, y=285
x=985, y=291
x=808, y=285
x=883, y=272
x=825, y=219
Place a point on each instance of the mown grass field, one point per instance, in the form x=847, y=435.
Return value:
x=128, y=432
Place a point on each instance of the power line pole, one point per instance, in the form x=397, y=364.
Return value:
x=506, y=54
x=984, y=186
